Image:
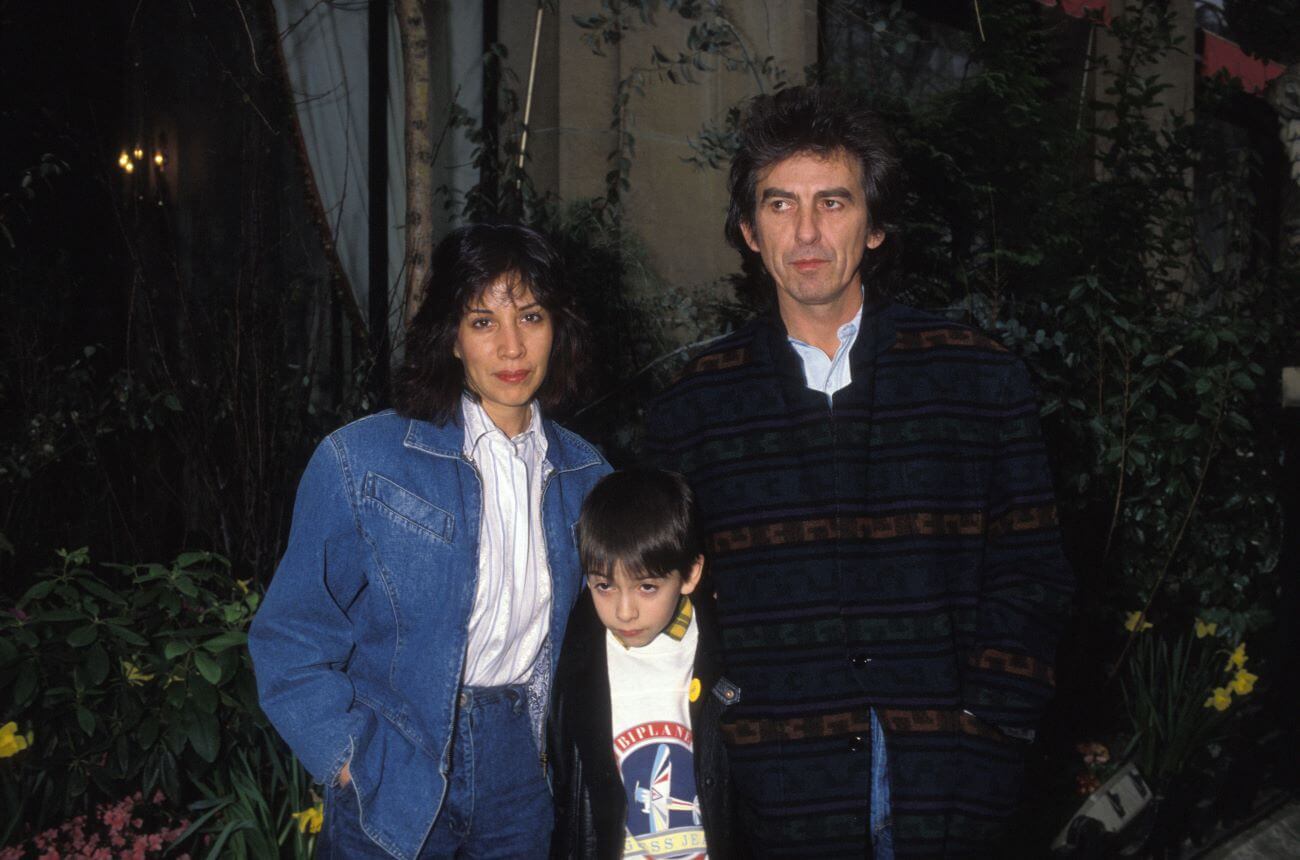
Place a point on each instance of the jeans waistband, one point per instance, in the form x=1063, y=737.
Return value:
x=471, y=697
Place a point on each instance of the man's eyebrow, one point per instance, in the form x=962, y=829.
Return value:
x=837, y=191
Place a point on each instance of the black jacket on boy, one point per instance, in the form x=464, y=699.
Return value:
x=590, y=802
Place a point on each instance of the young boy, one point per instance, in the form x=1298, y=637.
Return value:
x=639, y=768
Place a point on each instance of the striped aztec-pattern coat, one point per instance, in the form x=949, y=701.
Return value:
x=897, y=550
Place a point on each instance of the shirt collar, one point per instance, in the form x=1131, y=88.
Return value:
x=846, y=332
x=479, y=427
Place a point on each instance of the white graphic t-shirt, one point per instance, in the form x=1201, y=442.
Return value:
x=649, y=699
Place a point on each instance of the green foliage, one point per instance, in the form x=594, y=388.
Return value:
x=1171, y=687
x=137, y=678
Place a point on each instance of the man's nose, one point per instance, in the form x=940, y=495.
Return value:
x=807, y=231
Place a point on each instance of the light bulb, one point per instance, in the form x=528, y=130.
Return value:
x=123, y=160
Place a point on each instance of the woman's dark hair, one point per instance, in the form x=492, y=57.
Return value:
x=642, y=520
x=813, y=120
x=470, y=259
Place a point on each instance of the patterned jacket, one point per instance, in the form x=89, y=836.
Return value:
x=896, y=549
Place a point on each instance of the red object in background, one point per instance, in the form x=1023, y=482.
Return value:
x=1220, y=54
x=1082, y=8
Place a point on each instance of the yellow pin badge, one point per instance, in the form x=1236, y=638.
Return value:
x=695, y=689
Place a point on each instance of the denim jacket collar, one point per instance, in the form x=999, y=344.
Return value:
x=564, y=451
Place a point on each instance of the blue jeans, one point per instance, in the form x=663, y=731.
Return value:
x=882, y=829
x=497, y=804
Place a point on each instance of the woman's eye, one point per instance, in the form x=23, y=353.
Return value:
x=533, y=317
x=480, y=322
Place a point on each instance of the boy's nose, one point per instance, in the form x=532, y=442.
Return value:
x=626, y=609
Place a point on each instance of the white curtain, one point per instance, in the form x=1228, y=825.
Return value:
x=325, y=48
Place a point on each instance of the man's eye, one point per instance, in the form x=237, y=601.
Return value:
x=780, y=205
x=833, y=204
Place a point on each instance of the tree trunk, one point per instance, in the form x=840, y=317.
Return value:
x=419, y=154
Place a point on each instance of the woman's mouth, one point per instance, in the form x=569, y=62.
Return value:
x=511, y=377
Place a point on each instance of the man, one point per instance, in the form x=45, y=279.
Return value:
x=879, y=517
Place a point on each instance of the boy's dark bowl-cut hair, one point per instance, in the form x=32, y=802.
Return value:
x=467, y=261
x=813, y=120
x=642, y=520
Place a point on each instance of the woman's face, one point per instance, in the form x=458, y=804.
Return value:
x=504, y=341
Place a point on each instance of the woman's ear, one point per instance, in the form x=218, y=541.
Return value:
x=697, y=569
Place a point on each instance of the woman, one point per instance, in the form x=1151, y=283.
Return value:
x=406, y=644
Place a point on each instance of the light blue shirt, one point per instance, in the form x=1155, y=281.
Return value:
x=828, y=374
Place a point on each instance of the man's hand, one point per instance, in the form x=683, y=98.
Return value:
x=345, y=775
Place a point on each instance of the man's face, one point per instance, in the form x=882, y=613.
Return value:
x=810, y=228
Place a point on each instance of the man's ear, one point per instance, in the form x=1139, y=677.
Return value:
x=747, y=231
x=697, y=569
x=874, y=239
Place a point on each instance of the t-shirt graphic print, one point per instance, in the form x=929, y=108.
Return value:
x=653, y=744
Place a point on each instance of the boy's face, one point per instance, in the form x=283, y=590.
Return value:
x=637, y=610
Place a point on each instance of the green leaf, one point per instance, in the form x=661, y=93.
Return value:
x=205, y=736
x=204, y=695
x=96, y=664
x=186, y=586
x=102, y=592
x=147, y=733
x=229, y=639
x=86, y=720
x=174, y=649
x=128, y=636
x=39, y=591
x=25, y=686
x=172, y=403
x=186, y=559
x=208, y=667
x=56, y=615
x=83, y=636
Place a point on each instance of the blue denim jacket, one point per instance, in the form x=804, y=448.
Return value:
x=359, y=644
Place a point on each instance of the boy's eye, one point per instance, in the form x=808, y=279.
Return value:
x=598, y=585
x=649, y=588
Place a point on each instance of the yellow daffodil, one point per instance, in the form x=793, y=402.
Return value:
x=1220, y=700
x=310, y=819
x=1136, y=621
x=134, y=676
x=12, y=743
x=1243, y=683
x=1204, y=629
x=1237, y=659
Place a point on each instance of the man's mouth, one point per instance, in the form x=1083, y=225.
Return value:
x=809, y=265
x=511, y=376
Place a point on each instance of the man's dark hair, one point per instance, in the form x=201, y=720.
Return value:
x=641, y=520
x=470, y=259
x=809, y=119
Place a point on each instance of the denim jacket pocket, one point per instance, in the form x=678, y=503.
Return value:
x=406, y=508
